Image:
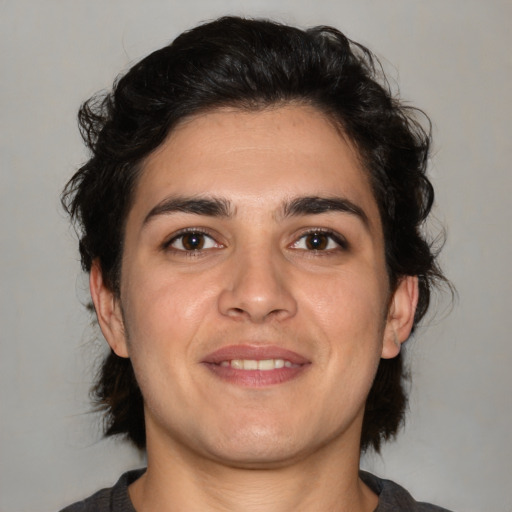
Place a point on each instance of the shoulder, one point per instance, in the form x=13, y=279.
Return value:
x=112, y=499
x=394, y=498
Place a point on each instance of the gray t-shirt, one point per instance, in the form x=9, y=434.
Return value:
x=392, y=497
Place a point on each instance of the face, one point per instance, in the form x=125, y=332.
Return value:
x=254, y=300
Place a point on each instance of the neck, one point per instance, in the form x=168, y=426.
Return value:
x=177, y=479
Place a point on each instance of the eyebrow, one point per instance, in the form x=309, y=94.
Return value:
x=220, y=207
x=212, y=207
x=314, y=205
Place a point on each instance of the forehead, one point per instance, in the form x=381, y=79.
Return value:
x=255, y=159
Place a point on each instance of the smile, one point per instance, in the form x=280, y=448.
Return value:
x=256, y=366
x=253, y=364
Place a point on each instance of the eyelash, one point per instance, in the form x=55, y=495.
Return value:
x=338, y=239
x=167, y=246
x=335, y=237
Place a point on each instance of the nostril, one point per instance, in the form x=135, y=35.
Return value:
x=237, y=312
x=249, y=299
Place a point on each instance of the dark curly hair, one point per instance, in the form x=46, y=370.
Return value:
x=251, y=65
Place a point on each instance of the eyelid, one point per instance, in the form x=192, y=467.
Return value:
x=335, y=236
x=167, y=245
x=339, y=239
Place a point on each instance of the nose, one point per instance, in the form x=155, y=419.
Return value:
x=258, y=289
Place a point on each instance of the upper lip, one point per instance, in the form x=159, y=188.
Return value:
x=254, y=352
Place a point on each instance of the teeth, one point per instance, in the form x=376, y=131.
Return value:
x=250, y=364
x=253, y=364
x=266, y=364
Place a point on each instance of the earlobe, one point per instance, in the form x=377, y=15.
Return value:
x=108, y=312
x=400, y=316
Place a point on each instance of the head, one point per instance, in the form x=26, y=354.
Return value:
x=254, y=66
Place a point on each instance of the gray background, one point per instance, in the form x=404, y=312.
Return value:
x=452, y=58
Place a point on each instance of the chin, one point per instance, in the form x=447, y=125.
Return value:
x=259, y=447
x=258, y=458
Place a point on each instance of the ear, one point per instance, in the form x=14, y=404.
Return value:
x=108, y=311
x=400, y=316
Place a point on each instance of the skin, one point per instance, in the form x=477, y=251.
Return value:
x=257, y=281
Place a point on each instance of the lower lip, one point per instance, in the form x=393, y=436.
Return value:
x=256, y=378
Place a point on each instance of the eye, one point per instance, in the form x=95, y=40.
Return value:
x=192, y=241
x=320, y=241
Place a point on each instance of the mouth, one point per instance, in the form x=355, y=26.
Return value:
x=255, y=366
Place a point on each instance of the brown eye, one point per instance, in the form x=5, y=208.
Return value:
x=316, y=241
x=321, y=241
x=193, y=241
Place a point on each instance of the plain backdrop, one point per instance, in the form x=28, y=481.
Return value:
x=452, y=58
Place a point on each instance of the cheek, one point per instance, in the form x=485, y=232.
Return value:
x=349, y=314
x=162, y=317
x=349, y=303
x=166, y=304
